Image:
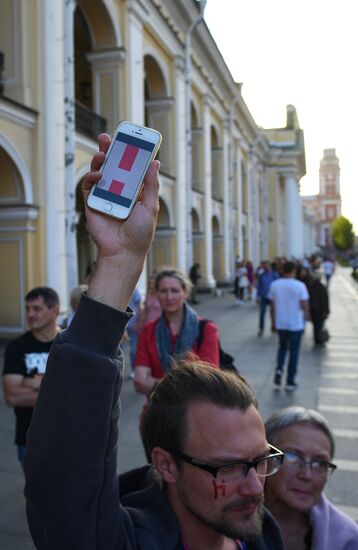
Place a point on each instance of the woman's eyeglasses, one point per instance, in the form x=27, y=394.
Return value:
x=317, y=467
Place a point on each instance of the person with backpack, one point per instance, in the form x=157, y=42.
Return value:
x=174, y=335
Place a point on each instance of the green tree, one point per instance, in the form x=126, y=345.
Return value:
x=342, y=233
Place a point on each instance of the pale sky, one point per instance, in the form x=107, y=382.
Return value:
x=304, y=53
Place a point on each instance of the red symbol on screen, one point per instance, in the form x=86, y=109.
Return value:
x=116, y=187
x=128, y=157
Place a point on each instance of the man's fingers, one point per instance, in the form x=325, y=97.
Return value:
x=104, y=142
x=97, y=161
x=150, y=192
x=89, y=180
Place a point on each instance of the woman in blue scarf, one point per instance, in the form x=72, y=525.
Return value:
x=174, y=335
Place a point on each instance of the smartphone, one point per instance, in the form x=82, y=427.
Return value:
x=127, y=160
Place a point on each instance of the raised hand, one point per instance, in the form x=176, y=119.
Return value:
x=133, y=235
x=122, y=245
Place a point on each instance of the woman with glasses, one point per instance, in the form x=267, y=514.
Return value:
x=294, y=496
x=173, y=335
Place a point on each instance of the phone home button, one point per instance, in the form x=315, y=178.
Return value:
x=108, y=206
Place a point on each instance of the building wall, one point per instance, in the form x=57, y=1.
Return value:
x=129, y=63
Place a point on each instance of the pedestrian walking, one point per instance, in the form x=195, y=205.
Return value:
x=241, y=283
x=288, y=303
x=318, y=305
x=264, y=281
x=328, y=269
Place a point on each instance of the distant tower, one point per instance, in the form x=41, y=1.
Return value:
x=329, y=194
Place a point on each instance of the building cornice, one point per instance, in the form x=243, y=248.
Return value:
x=17, y=113
x=20, y=212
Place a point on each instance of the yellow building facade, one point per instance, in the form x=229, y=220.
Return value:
x=72, y=70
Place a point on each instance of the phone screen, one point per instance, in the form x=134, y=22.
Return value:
x=124, y=169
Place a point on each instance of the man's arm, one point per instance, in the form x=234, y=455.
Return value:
x=304, y=305
x=20, y=391
x=71, y=456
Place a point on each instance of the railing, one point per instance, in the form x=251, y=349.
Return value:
x=88, y=122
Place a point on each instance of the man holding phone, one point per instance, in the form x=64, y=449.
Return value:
x=74, y=497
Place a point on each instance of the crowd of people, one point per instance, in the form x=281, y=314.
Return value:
x=217, y=477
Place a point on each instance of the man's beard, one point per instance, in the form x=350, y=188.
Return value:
x=247, y=527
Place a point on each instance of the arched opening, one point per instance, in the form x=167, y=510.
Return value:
x=158, y=106
x=196, y=155
x=218, y=249
x=195, y=222
x=161, y=253
x=198, y=238
x=83, y=73
x=16, y=244
x=216, y=165
x=93, y=31
x=86, y=249
x=244, y=189
x=163, y=216
x=245, y=242
x=155, y=86
x=11, y=188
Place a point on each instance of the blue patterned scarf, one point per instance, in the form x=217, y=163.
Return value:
x=186, y=338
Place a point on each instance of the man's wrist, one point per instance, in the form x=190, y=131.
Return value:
x=114, y=280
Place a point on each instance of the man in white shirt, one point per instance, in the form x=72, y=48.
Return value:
x=288, y=302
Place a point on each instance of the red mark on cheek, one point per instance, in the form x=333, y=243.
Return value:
x=219, y=487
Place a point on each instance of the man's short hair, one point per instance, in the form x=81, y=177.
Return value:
x=50, y=296
x=288, y=267
x=165, y=423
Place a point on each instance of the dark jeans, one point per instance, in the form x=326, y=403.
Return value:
x=264, y=303
x=289, y=340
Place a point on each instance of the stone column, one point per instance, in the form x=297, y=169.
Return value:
x=294, y=221
x=135, y=82
x=52, y=163
x=251, y=195
x=239, y=204
x=227, y=191
x=265, y=214
x=136, y=17
x=183, y=239
x=209, y=278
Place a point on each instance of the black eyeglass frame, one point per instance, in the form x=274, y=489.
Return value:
x=213, y=470
x=301, y=461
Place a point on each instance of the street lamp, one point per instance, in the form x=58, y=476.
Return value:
x=187, y=72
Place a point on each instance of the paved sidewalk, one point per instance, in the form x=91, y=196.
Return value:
x=328, y=380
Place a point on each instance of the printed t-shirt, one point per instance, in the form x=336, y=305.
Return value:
x=25, y=356
x=147, y=354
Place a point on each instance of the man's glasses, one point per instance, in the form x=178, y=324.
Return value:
x=232, y=472
x=317, y=467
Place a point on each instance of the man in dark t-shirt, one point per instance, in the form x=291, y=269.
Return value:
x=26, y=357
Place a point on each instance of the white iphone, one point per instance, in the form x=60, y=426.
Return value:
x=127, y=160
